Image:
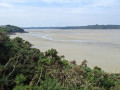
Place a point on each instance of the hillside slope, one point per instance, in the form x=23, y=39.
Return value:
x=10, y=29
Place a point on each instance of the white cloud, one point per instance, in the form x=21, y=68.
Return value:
x=19, y=1
x=13, y=1
x=5, y=5
x=88, y=2
x=10, y=3
x=67, y=1
x=105, y=3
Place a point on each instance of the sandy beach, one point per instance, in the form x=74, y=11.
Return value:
x=99, y=47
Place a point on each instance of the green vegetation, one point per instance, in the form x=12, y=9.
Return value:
x=80, y=27
x=10, y=29
x=25, y=68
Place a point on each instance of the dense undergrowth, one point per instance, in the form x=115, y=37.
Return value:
x=25, y=68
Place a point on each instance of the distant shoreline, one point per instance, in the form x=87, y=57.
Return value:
x=79, y=27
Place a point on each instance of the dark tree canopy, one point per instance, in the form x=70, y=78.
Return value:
x=10, y=29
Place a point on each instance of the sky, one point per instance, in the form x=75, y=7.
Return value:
x=40, y=13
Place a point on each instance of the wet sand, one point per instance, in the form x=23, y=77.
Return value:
x=100, y=48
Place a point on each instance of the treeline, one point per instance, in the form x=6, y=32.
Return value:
x=79, y=27
x=10, y=29
x=25, y=68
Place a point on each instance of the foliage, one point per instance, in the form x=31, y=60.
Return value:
x=20, y=79
x=50, y=84
x=10, y=29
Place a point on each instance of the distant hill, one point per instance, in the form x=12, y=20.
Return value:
x=11, y=29
x=79, y=27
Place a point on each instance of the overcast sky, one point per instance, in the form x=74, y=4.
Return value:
x=59, y=12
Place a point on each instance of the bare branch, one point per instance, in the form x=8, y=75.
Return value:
x=14, y=66
x=7, y=64
x=39, y=77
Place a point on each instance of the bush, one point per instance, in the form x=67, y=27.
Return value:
x=20, y=79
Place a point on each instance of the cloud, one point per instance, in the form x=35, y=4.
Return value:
x=105, y=3
x=93, y=3
x=14, y=1
x=5, y=5
x=67, y=1
x=11, y=3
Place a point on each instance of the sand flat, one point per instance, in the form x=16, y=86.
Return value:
x=98, y=47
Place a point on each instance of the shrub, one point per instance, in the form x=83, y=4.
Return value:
x=20, y=79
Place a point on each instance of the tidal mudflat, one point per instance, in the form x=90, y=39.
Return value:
x=99, y=47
